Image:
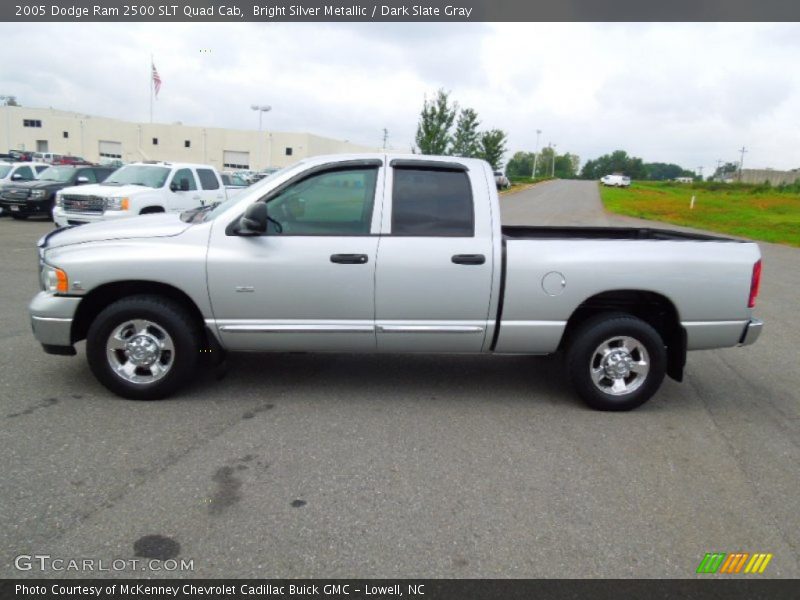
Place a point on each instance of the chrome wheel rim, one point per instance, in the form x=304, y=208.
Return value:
x=140, y=351
x=619, y=366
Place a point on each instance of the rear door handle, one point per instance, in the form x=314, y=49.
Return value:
x=349, y=259
x=469, y=259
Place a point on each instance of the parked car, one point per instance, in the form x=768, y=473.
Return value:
x=322, y=256
x=501, y=181
x=234, y=181
x=21, y=155
x=263, y=173
x=616, y=180
x=47, y=157
x=37, y=197
x=71, y=160
x=137, y=189
x=17, y=172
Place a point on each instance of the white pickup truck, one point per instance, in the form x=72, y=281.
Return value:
x=139, y=189
x=383, y=253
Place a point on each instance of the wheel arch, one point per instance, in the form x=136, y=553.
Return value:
x=102, y=296
x=152, y=209
x=651, y=307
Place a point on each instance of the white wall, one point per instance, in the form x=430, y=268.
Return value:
x=206, y=144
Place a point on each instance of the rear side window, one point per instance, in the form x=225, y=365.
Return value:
x=432, y=203
x=102, y=174
x=208, y=180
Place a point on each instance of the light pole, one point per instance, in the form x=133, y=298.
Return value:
x=553, y=172
x=261, y=108
x=536, y=153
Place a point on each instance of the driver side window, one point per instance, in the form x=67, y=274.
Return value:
x=337, y=202
x=185, y=174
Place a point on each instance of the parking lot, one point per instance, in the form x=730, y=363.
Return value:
x=313, y=465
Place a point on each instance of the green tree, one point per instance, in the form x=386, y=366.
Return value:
x=435, y=121
x=466, y=139
x=616, y=162
x=520, y=165
x=665, y=171
x=726, y=171
x=493, y=147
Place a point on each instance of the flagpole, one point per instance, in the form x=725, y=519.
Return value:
x=151, y=88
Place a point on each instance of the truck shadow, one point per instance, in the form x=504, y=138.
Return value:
x=377, y=378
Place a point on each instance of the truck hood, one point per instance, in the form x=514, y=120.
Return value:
x=144, y=226
x=99, y=189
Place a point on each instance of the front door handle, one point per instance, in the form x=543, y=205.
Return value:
x=469, y=259
x=349, y=259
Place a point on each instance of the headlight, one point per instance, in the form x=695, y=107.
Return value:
x=59, y=200
x=114, y=203
x=38, y=194
x=54, y=280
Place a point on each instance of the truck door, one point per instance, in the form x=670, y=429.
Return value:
x=211, y=189
x=434, y=273
x=308, y=284
x=183, y=193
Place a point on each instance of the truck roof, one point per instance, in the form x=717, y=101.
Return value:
x=388, y=157
x=164, y=163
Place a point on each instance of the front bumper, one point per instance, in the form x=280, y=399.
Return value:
x=65, y=218
x=27, y=207
x=51, y=318
x=751, y=332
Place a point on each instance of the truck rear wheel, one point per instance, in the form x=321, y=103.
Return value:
x=616, y=362
x=143, y=347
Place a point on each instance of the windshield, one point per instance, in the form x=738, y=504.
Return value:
x=153, y=177
x=223, y=206
x=60, y=174
x=4, y=169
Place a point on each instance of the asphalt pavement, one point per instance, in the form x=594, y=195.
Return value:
x=312, y=465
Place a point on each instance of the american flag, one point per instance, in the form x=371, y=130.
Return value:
x=156, y=80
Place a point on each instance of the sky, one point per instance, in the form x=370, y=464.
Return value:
x=690, y=94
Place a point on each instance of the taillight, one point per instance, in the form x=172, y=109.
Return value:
x=755, y=283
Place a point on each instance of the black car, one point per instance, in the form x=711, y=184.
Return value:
x=22, y=200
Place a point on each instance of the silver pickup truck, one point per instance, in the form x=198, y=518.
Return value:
x=383, y=253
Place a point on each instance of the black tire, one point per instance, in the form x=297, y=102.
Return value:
x=584, y=357
x=166, y=316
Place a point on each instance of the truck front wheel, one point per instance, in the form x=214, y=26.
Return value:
x=143, y=347
x=616, y=362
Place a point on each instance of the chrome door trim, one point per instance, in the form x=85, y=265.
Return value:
x=430, y=329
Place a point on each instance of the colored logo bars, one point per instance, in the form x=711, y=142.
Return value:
x=720, y=562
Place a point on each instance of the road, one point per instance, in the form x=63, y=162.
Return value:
x=405, y=466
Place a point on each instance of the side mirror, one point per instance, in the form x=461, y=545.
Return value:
x=82, y=179
x=182, y=185
x=16, y=177
x=254, y=220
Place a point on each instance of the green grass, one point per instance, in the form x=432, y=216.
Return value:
x=756, y=212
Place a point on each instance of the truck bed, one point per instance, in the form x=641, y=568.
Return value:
x=525, y=232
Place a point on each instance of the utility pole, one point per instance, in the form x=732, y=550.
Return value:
x=741, y=162
x=700, y=170
x=536, y=153
x=718, y=174
x=385, y=137
x=553, y=171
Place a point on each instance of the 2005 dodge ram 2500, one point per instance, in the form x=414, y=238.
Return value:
x=383, y=253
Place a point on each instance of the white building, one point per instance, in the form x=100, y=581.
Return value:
x=99, y=138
